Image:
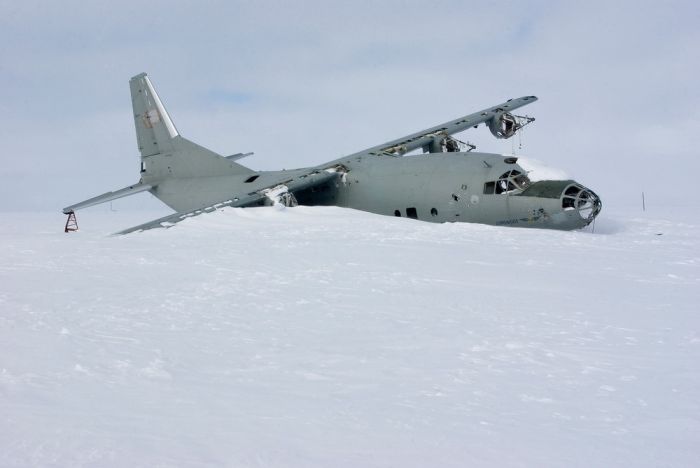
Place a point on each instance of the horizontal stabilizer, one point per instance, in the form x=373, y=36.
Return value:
x=109, y=196
x=172, y=219
x=237, y=156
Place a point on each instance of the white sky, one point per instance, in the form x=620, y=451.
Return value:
x=301, y=84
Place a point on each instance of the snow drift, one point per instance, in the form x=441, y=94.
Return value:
x=330, y=337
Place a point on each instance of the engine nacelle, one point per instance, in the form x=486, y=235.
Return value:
x=503, y=125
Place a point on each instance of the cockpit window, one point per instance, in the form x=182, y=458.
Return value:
x=509, y=181
x=521, y=180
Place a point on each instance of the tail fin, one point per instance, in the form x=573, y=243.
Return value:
x=156, y=135
x=154, y=128
x=165, y=156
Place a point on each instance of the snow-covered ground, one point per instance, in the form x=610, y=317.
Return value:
x=324, y=337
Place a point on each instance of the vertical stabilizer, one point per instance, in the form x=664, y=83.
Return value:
x=154, y=128
x=165, y=154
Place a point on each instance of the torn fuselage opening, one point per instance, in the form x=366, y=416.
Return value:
x=280, y=195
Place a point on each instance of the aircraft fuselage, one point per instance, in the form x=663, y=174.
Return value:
x=453, y=187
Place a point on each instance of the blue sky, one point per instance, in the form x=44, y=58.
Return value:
x=307, y=82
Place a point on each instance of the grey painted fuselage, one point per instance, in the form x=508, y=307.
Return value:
x=434, y=187
x=443, y=187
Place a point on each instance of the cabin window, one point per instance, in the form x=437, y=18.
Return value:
x=251, y=179
x=397, y=213
x=512, y=180
x=504, y=185
x=433, y=212
x=412, y=213
x=572, y=191
x=570, y=195
x=520, y=180
x=508, y=182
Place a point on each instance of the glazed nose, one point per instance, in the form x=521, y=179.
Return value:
x=586, y=203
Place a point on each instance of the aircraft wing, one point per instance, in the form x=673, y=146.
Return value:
x=491, y=115
x=302, y=181
x=171, y=220
x=109, y=196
